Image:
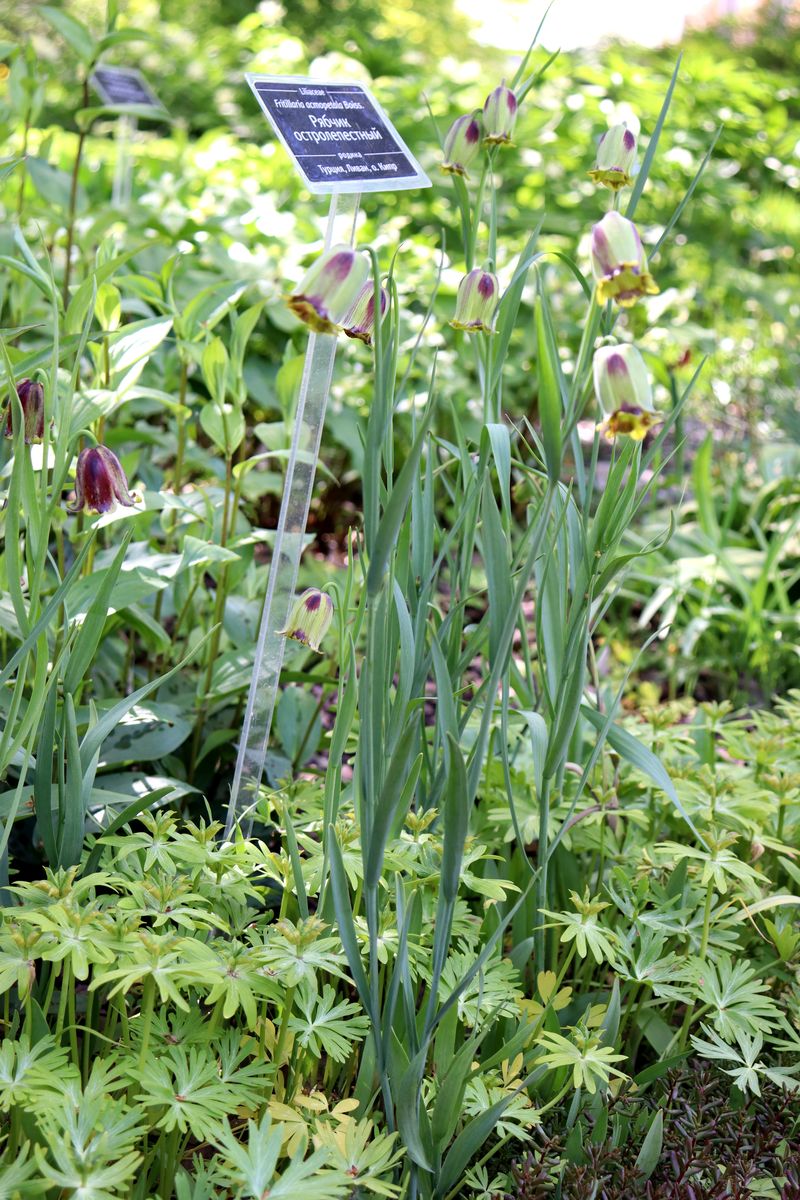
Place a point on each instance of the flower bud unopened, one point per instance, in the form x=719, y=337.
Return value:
x=619, y=262
x=461, y=144
x=499, y=116
x=476, y=302
x=616, y=154
x=328, y=288
x=100, y=483
x=623, y=389
x=310, y=618
x=31, y=397
x=359, y=322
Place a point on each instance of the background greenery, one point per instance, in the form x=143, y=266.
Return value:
x=366, y=990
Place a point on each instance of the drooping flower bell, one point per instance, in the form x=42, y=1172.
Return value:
x=359, y=322
x=100, y=483
x=616, y=154
x=623, y=389
x=619, y=262
x=499, y=116
x=328, y=288
x=461, y=144
x=31, y=397
x=310, y=618
x=476, y=302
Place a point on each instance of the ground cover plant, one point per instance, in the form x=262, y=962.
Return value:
x=515, y=911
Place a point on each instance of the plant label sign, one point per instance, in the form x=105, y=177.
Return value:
x=123, y=85
x=338, y=136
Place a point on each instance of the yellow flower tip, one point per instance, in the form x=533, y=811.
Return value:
x=357, y=334
x=448, y=168
x=498, y=139
x=306, y=311
x=613, y=178
x=472, y=326
x=632, y=423
x=626, y=285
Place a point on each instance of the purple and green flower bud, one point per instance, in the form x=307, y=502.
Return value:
x=499, y=116
x=359, y=322
x=476, y=302
x=616, y=154
x=461, y=144
x=619, y=262
x=100, y=483
x=310, y=618
x=329, y=288
x=623, y=389
x=31, y=397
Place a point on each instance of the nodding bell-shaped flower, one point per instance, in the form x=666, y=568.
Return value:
x=623, y=389
x=100, y=483
x=616, y=154
x=619, y=262
x=461, y=144
x=499, y=116
x=476, y=302
x=310, y=618
x=328, y=288
x=31, y=397
x=359, y=322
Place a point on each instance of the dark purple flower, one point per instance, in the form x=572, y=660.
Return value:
x=100, y=483
x=31, y=397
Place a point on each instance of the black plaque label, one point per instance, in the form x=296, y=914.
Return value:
x=338, y=136
x=122, y=85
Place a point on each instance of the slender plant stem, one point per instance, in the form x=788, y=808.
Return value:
x=66, y=984
x=73, y=199
x=148, y=999
x=541, y=882
x=707, y=919
x=283, y=1034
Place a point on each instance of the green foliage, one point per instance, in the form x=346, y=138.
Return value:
x=493, y=882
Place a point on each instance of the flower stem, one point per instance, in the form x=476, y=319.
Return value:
x=283, y=1034
x=73, y=199
x=146, y=1014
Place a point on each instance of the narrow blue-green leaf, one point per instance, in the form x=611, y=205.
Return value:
x=672, y=222
x=550, y=407
x=647, y=162
x=643, y=759
x=73, y=814
x=91, y=631
x=344, y=920
x=43, y=776
x=94, y=738
x=395, y=510
x=297, y=866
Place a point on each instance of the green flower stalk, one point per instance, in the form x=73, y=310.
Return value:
x=359, y=322
x=329, y=288
x=476, y=302
x=616, y=156
x=100, y=482
x=461, y=144
x=499, y=117
x=310, y=618
x=31, y=397
x=619, y=262
x=623, y=389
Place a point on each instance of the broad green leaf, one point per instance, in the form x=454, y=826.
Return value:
x=73, y=31
x=650, y=1153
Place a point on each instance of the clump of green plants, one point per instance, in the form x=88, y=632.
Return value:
x=475, y=916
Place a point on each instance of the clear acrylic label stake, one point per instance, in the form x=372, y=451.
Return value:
x=289, y=537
